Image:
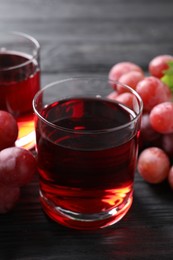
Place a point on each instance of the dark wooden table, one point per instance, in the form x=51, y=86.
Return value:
x=86, y=37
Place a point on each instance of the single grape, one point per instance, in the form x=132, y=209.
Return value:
x=159, y=64
x=130, y=79
x=167, y=144
x=8, y=130
x=121, y=68
x=17, y=166
x=113, y=95
x=153, y=165
x=161, y=118
x=148, y=135
x=152, y=91
x=170, y=177
x=9, y=196
x=126, y=99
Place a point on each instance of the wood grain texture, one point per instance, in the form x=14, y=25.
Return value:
x=85, y=38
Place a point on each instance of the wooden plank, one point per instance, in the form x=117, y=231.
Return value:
x=97, y=58
x=114, y=9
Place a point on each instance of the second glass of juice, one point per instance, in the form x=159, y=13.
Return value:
x=87, y=145
x=19, y=81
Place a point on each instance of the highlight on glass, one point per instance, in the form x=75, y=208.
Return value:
x=87, y=146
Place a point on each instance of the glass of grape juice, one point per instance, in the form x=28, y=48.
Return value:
x=19, y=81
x=87, y=145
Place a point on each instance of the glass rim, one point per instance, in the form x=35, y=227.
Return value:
x=33, y=56
x=102, y=131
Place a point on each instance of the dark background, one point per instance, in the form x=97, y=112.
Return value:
x=79, y=38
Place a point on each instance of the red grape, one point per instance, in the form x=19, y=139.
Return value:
x=113, y=95
x=170, y=177
x=153, y=165
x=121, y=68
x=127, y=99
x=8, y=130
x=167, y=144
x=159, y=64
x=8, y=198
x=131, y=79
x=161, y=117
x=152, y=91
x=148, y=134
x=17, y=166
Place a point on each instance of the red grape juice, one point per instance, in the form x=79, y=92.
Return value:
x=86, y=161
x=19, y=82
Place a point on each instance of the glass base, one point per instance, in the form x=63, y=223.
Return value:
x=85, y=221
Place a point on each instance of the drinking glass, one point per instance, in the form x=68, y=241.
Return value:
x=19, y=81
x=87, y=145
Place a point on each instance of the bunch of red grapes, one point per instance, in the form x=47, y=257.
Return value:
x=17, y=165
x=155, y=161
